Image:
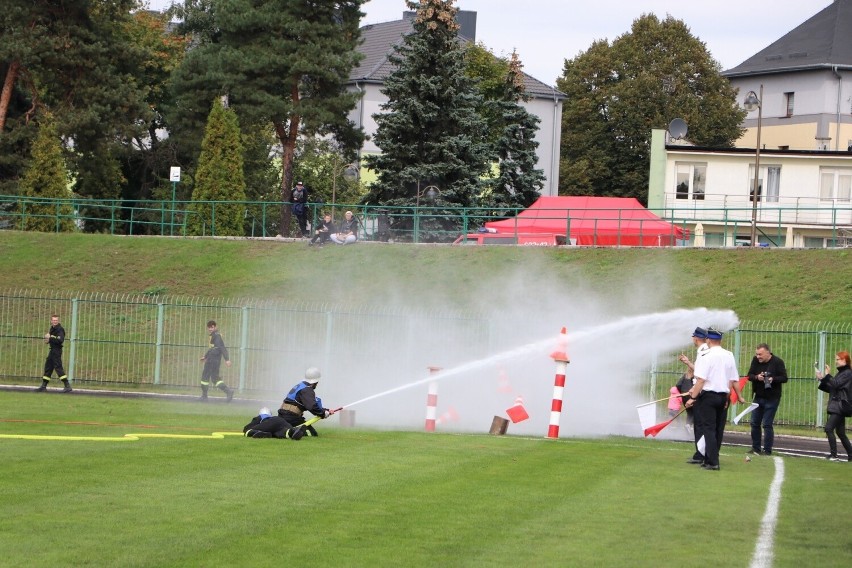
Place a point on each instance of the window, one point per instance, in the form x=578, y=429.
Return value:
x=690, y=181
x=789, y=98
x=769, y=175
x=835, y=183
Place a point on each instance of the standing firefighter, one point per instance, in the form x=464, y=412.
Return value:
x=301, y=398
x=212, y=360
x=55, y=338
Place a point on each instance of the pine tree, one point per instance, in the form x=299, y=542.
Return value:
x=282, y=61
x=518, y=183
x=219, y=177
x=430, y=133
x=46, y=180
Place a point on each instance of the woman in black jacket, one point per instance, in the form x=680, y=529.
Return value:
x=837, y=387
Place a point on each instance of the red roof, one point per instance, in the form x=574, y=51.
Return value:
x=601, y=221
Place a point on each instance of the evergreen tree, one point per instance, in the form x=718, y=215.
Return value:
x=430, y=132
x=518, y=183
x=282, y=61
x=618, y=93
x=46, y=180
x=219, y=177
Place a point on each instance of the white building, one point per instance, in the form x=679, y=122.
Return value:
x=368, y=78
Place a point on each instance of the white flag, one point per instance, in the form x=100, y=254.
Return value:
x=647, y=414
x=701, y=445
x=750, y=407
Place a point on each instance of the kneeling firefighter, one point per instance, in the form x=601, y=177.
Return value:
x=301, y=398
x=264, y=425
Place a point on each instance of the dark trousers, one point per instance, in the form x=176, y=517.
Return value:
x=762, y=417
x=54, y=362
x=836, y=423
x=696, y=432
x=710, y=417
x=272, y=427
x=302, y=219
x=210, y=373
x=296, y=420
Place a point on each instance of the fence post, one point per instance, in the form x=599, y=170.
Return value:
x=73, y=355
x=244, y=346
x=820, y=403
x=158, y=356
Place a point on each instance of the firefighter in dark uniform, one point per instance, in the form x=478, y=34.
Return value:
x=264, y=425
x=301, y=398
x=55, y=338
x=212, y=361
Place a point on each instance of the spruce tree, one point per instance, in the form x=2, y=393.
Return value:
x=518, y=183
x=219, y=177
x=46, y=180
x=430, y=132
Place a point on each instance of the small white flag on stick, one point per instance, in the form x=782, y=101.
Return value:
x=750, y=407
x=647, y=414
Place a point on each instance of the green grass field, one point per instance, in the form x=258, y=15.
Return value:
x=374, y=498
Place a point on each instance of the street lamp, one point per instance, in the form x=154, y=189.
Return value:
x=430, y=192
x=752, y=102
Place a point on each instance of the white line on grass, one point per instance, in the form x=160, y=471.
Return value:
x=763, y=550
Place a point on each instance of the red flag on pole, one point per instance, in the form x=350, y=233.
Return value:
x=733, y=394
x=656, y=428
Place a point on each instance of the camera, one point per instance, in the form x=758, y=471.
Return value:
x=767, y=380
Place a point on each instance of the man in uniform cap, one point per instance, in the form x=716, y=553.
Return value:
x=686, y=382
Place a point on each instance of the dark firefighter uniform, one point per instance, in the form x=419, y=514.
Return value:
x=301, y=398
x=56, y=337
x=212, y=361
x=265, y=426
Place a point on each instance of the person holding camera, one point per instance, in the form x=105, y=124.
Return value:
x=766, y=374
x=839, y=389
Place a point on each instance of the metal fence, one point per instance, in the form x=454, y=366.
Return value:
x=137, y=342
x=431, y=223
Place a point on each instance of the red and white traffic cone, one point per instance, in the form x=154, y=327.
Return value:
x=560, y=356
x=432, y=401
x=503, y=385
x=518, y=413
x=449, y=416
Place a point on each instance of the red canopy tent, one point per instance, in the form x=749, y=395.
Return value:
x=601, y=221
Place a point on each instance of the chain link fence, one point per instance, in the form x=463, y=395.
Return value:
x=139, y=342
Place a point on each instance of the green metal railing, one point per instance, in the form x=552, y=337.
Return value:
x=432, y=223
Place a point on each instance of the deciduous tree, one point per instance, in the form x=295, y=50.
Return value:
x=618, y=93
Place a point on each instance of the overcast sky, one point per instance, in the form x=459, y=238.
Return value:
x=546, y=32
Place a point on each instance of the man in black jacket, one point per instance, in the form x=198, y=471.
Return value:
x=766, y=374
x=212, y=361
x=301, y=398
x=55, y=338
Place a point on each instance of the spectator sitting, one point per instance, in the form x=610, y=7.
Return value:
x=348, y=232
x=324, y=231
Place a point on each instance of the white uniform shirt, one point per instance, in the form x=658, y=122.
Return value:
x=717, y=367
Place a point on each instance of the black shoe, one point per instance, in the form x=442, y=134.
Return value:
x=830, y=457
x=754, y=452
x=297, y=433
x=229, y=395
x=767, y=452
x=710, y=467
x=67, y=388
x=695, y=461
x=203, y=398
x=42, y=388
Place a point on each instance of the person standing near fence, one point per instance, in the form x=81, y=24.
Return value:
x=686, y=382
x=839, y=389
x=212, y=361
x=55, y=337
x=299, y=198
x=715, y=375
x=766, y=374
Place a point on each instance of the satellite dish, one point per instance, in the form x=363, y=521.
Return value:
x=677, y=128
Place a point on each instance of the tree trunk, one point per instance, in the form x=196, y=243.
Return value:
x=6, y=95
x=287, y=137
